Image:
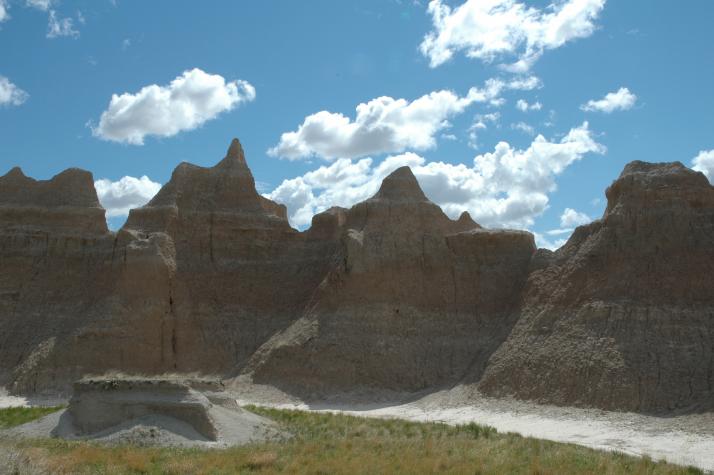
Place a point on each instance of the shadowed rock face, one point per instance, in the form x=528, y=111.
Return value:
x=622, y=316
x=415, y=300
x=55, y=265
x=196, y=280
x=390, y=294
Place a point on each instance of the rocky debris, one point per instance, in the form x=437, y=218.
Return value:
x=389, y=295
x=151, y=411
x=414, y=300
x=622, y=316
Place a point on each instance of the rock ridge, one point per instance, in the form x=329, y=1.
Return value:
x=388, y=295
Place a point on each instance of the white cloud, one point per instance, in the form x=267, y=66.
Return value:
x=4, y=15
x=491, y=29
x=10, y=94
x=185, y=104
x=481, y=122
x=43, y=5
x=503, y=188
x=524, y=106
x=572, y=219
x=523, y=127
x=388, y=125
x=118, y=197
x=704, y=162
x=59, y=27
x=569, y=220
x=543, y=242
x=623, y=99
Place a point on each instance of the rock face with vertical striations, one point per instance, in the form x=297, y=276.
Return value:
x=389, y=295
x=198, y=279
x=622, y=316
x=55, y=267
x=414, y=300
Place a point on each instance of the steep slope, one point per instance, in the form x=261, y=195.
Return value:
x=202, y=275
x=622, y=317
x=55, y=255
x=414, y=300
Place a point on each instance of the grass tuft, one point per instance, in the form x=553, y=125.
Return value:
x=342, y=444
x=15, y=416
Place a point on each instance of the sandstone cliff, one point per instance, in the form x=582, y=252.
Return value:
x=414, y=300
x=195, y=281
x=55, y=255
x=390, y=294
x=622, y=316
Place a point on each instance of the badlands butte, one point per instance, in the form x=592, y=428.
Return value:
x=390, y=295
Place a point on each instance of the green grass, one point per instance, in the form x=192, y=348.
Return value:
x=334, y=444
x=14, y=416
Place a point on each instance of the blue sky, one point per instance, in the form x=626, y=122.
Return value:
x=521, y=112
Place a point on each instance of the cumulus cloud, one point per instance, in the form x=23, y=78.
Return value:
x=10, y=94
x=569, y=220
x=504, y=188
x=572, y=219
x=185, y=104
x=524, y=106
x=388, y=125
x=704, y=162
x=118, y=197
x=4, y=15
x=489, y=30
x=622, y=99
x=545, y=242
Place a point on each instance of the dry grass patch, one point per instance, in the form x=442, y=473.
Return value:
x=341, y=444
x=15, y=416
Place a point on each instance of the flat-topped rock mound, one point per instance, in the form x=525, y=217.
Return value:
x=65, y=203
x=153, y=411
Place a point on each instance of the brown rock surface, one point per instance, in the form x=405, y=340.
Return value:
x=390, y=294
x=196, y=280
x=55, y=253
x=622, y=316
x=413, y=300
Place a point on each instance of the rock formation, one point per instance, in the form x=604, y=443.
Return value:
x=55, y=267
x=152, y=411
x=622, y=316
x=390, y=294
x=414, y=300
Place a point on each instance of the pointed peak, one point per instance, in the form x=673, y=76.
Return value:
x=235, y=151
x=401, y=185
x=234, y=161
x=466, y=222
x=466, y=218
x=16, y=172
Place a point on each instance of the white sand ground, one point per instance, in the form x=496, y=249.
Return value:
x=685, y=440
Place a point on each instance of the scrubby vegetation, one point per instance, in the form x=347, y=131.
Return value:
x=332, y=444
x=14, y=416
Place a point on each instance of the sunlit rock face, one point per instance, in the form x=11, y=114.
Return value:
x=55, y=268
x=622, y=316
x=414, y=301
x=389, y=295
